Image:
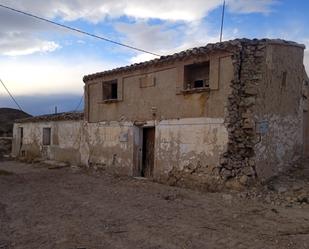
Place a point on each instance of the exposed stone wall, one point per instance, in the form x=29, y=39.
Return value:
x=257, y=97
x=238, y=161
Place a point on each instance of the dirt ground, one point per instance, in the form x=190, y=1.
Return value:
x=70, y=208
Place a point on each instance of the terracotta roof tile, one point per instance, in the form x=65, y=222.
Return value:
x=188, y=53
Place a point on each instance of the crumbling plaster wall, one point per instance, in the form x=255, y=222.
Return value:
x=137, y=103
x=65, y=140
x=188, y=151
x=279, y=102
x=264, y=116
x=185, y=149
x=108, y=145
x=105, y=144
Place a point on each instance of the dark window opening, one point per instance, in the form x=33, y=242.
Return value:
x=198, y=83
x=110, y=89
x=46, y=136
x=196, y=75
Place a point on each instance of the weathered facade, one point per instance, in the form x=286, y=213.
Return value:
x=227, y=112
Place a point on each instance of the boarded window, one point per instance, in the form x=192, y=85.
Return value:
x=46, y=136
x=147, y=81
x=196, y=76
x=110, y=90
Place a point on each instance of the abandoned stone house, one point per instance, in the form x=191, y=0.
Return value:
x=229, y=111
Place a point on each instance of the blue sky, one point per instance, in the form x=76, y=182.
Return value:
x=43, y=65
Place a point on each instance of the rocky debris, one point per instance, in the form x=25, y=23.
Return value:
x=198, y=176
x=227, y=197
x=288, y=190
x=287, y=199
x=4, y=244
x=55, y=164
x=75, y=168
x=172, y=197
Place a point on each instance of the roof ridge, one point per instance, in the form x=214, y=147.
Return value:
x=190, y=52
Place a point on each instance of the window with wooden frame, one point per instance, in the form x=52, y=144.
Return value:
x=110, y=90
x=196, y=76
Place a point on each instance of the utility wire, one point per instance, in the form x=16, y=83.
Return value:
x=78, y=30
x=10, y=95
x=222, y=20
x=79, y=103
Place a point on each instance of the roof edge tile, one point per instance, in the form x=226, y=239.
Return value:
x=190, y=52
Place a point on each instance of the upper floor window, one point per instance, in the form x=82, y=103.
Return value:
x=196, y=76
x=110, y=90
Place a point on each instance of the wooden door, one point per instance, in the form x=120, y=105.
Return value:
x=148, y=152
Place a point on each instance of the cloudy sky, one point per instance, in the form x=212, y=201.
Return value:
x=43, y=65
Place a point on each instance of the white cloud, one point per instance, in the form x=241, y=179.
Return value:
x=142, y=57
x=18, y=32
x=14, y=45
x=149, y=37
x=96, y=10
x=250, y=6
x=163, y=39
x=38, y=46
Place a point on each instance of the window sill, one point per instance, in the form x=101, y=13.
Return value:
x=108, y=101
x=196, y=90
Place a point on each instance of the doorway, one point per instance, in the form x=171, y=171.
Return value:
x=148, y=152
x=20, y=140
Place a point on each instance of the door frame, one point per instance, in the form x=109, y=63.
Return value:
x=138, y=139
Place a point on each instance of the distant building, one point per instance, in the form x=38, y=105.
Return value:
x=7, y=118
x=227, y=112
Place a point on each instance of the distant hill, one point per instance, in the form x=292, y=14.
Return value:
x=7, y=118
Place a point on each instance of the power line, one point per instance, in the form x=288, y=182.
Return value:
x=79, y=103
x=78, y=30
x=10, y=95
x=222, y=20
